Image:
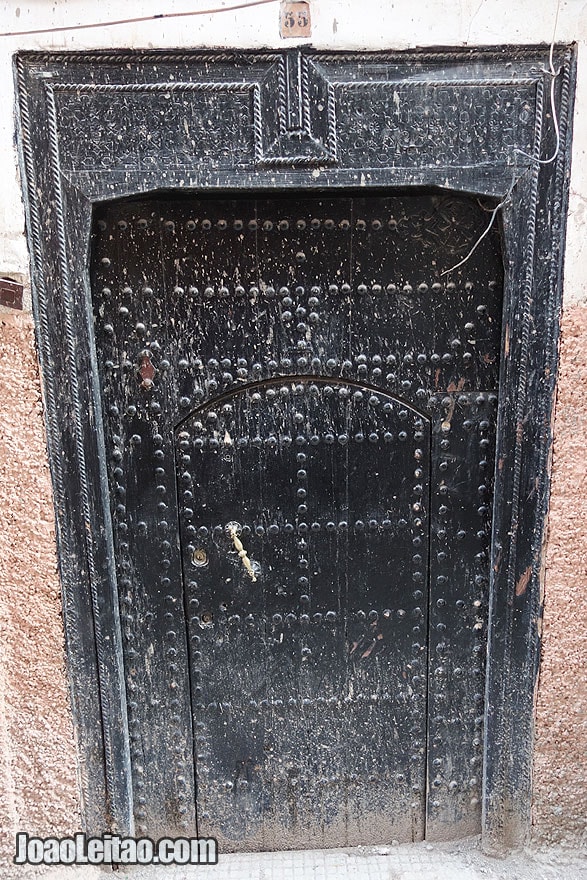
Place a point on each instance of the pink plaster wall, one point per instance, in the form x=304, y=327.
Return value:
x=560, y=765
x=38, y=785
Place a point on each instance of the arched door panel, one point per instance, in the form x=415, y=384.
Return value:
x=305, y=550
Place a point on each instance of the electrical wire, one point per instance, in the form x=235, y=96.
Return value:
x=162, y=15
x=553, y=75
x=488, y=227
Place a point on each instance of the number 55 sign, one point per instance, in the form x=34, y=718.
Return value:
x=295, y=19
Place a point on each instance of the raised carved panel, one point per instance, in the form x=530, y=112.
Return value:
x=111, y=127
x=436, y=123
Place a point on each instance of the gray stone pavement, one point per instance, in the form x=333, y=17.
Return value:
x=462, y=860
x=415, y=862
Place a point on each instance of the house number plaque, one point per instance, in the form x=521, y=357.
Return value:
x=295, y=19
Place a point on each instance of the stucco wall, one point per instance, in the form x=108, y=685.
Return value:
x=38, y=787
x=560, y=767
x=36, y=748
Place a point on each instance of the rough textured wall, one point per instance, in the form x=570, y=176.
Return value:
x=560, y=766
x=38, y=786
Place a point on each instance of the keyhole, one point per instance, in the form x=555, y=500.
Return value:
x=199, y=557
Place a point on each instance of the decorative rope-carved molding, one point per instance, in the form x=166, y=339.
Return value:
x=253, y=57
x=103, y=642
x=147, y=88
x=154, y=57
x=433, y=82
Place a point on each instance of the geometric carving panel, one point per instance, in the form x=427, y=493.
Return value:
x=433, y=123
x=170, y=124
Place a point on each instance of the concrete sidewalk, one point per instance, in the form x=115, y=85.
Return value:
x=425, y=861
x=460, y=860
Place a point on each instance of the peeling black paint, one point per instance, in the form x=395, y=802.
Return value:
x=341, y=399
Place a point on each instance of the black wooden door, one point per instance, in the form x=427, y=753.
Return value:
x=309, y=712
x=299, y=411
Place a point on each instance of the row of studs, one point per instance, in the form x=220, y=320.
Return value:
x=128, y=617
x=253, y=225
x=301, y=528
x=441, y=671
x=306, y=703
x=331, y=363
x=302, y=544
x=317, y=780
x=286, y=319
x=286, y=440
x=311, y=783
x=299, y=418
x=212, y=417
x=332, y=367
x=170, y=652
x=290, y=618
x=268, y=291
x=243, y=369
x=344, y=393
x=272, y=366
x=165, y=484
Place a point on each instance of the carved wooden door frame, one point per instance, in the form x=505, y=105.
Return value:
x=476, y=121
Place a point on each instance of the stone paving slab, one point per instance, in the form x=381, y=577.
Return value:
x=462, y=860
x=415, y=862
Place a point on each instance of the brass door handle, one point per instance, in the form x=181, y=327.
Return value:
x=233, y=532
